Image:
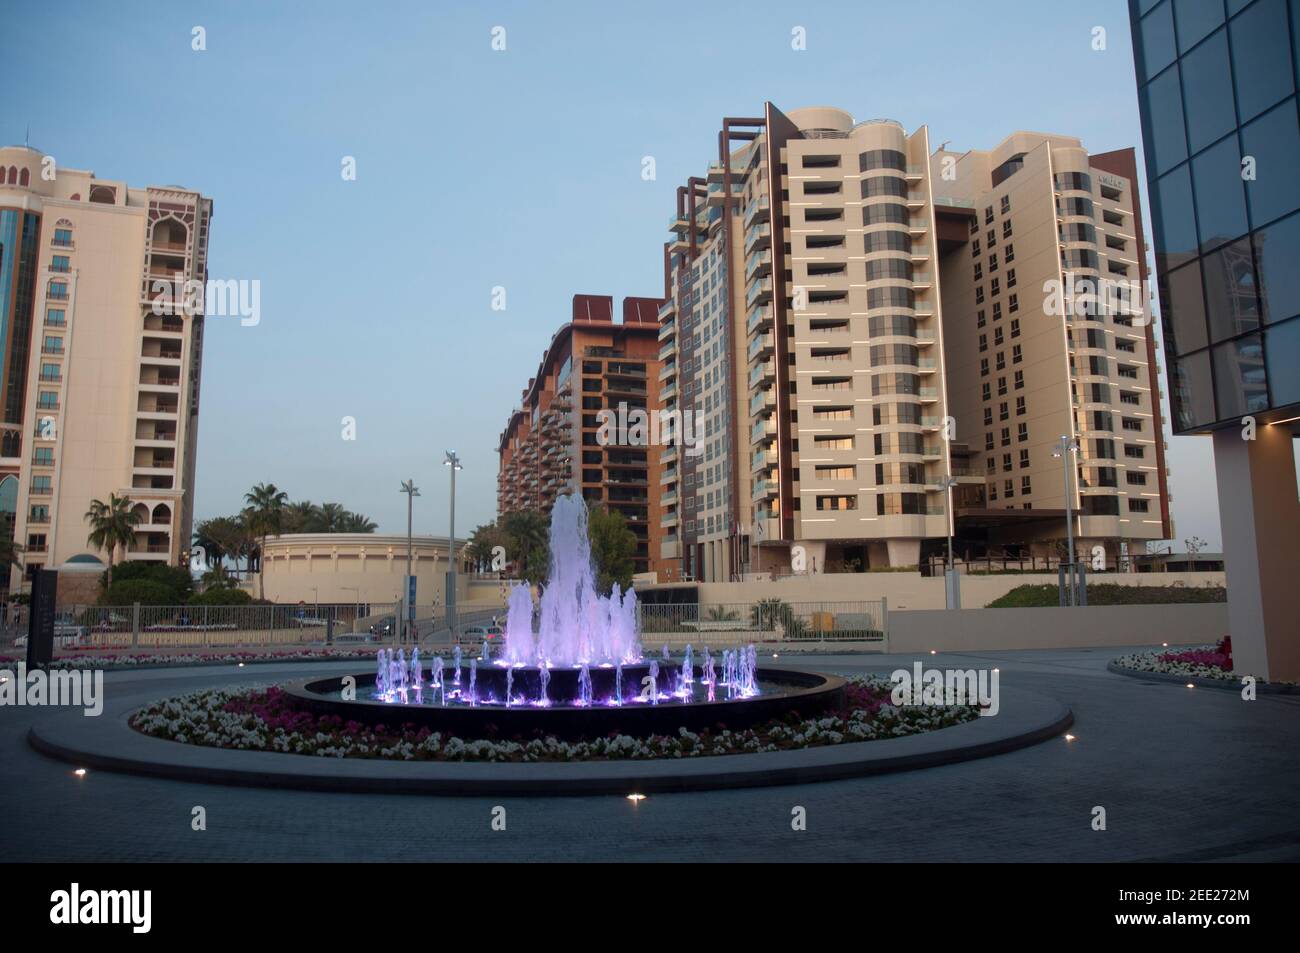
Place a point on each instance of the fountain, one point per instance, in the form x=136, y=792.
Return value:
x=572, y=665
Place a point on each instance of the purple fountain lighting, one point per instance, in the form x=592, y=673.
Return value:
x=577, y=625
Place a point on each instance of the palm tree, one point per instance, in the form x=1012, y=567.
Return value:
x=331, y=517
x=112, y=524
x=357, y=523
x=301, y=517
x=265, y=513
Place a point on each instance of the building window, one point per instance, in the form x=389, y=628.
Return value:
x=43, y=456
x=58, y=290
x=60, y=263
x=56, y=318
x=1138, y=506
x=63, y=237
x=1022, y=432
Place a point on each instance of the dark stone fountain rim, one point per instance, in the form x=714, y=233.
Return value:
x=811, y=694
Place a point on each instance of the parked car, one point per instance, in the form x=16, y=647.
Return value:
x=384, y=627
x=488, y=632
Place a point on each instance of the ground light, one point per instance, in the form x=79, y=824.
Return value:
x=80, y=772
x=636, y=798
x=1069, y=737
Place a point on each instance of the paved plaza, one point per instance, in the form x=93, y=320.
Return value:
x=1184, y=774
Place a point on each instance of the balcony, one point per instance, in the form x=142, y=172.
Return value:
x=759, y=263
x=763, y=432
x=667, y=351
x=760, y=292
x=762, y=374
x=928, y=395
x=763, y=460
x=668, y=329
x=763, y=489
x=668, y=371
x=757, y=211
x=762, y=345
x=759, y=236
x=759, y=317
x=763, y=403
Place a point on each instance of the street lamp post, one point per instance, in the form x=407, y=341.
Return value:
x=411, y=491
x=952, y=586
x=1062, y=452
x=452, y=461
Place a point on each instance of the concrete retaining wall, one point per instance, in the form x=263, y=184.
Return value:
x=911, y=590
x=1055, y=628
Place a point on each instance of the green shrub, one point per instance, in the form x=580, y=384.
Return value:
x=175, y=579
x=147, y=592
x=221, y=596
x=1110, y=594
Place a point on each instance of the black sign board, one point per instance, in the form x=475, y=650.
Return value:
x=40, y=625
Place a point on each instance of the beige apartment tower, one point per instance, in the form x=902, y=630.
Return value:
x=1048, y=336
x=821, y=315
x=101, y=382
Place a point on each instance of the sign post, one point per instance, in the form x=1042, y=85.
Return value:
x=40, y=621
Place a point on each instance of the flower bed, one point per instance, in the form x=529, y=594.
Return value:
x=1201, y=662
x=261, y=719
x=141, y=659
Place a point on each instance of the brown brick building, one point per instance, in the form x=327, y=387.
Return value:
x=552, y=445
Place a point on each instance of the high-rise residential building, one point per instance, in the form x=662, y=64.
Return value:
x=559, y=442
x=100, y=382
x=1046, y=335
x=835, y=374
x=1217, y=90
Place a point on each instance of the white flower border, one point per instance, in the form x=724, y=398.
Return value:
x=198, y=718
x=80, y=662
x=1150, y=662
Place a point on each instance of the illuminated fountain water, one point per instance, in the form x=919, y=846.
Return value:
x=572, y=664
x=577, y=625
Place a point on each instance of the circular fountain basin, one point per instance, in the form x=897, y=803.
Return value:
x=634, y=712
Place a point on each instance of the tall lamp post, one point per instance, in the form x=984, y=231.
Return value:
x=452, y=461
x=1062, y=453
x=411, y=491
x=952, y=587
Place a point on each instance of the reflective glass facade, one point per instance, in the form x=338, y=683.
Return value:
x=1217, y=83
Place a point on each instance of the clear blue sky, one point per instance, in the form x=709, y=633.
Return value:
x=478, y=168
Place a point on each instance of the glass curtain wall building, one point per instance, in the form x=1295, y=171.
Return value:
x=1217, y=83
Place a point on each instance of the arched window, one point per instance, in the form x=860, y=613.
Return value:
x=169, y=231
x=24, y=178
x=13, y=175
x=162, y=515
x=9, y=488
x=103, y=194
x=141, y=511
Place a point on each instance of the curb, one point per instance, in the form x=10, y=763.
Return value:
x=1200, y=681
x=110, y=744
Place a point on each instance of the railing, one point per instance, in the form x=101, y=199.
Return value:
x=770, y=622
x=231, y=627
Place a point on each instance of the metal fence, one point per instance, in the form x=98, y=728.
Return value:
x=124, y=627
x=769, y=620
x=196, y=627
